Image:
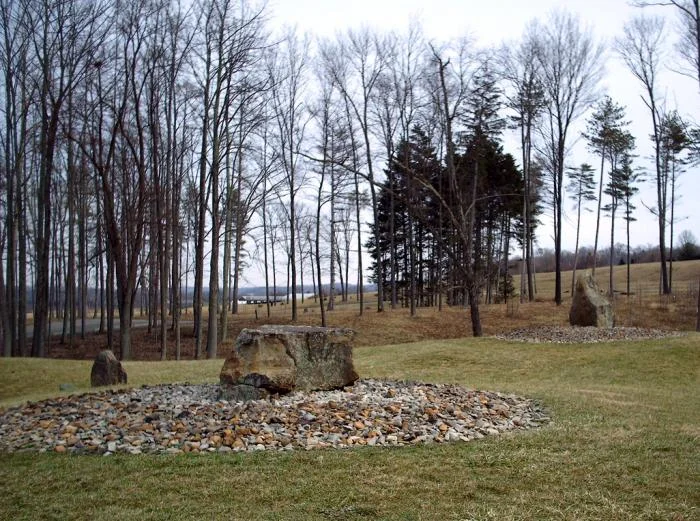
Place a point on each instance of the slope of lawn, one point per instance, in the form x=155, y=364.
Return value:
x=624, y=444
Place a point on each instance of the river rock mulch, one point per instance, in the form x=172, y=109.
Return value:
x=190, y=418
x=584, y=335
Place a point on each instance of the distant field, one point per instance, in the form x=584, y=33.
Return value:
x=644, y=279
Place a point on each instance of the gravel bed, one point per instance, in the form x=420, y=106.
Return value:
x=585, y=335
x=190, y=418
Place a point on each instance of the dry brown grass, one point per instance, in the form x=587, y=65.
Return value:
x=644, y=279
x=644, y=308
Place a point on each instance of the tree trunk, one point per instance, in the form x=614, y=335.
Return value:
x=392, y=241
x=125, y=333
x=201, y=212
x=3, y=312
x=474, y=310
x=10, y=315
x=375, y=216
x=292, y=258
x=673, y=208
x=339, y=262
x=274, y=271
x=265, y=260
x=612, y=251
x=627, y=213
x=318, y=244
x=82, y=249
x=213, y=329
x=69, y=297
x=41, y=295
x=558, y=224
x=110, y=299
x=358, y=221
x=348, y=244
x=411, y=246
x=22, y=306
x=578, y=235
x=100, y=272
x=600, y=203
x=331, y=289
x=228, y=223
x=9, y=310
x=237, y=250
x=301, y=259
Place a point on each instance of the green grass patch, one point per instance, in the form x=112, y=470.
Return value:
x=25, y=379
x=623, y=445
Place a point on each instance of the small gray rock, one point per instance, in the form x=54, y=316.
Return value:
x=242, y=393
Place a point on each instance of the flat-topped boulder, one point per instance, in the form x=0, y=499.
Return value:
x=589, y=307
x=280, y=359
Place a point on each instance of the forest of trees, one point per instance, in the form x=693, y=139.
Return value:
x=153, y=147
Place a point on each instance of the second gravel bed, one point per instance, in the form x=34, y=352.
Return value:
x=584, y=335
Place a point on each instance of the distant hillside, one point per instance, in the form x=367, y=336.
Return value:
x=259, y=291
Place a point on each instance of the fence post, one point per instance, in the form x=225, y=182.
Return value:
x=697, y=311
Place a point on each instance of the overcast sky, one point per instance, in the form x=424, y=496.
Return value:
x=496, y=21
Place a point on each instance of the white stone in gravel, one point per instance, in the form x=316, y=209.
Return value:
x=452, y=435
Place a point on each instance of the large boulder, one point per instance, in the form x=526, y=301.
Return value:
x=281, y=359
x=107, y=370
x=589, y=307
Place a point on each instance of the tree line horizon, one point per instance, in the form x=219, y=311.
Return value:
x=148, y=143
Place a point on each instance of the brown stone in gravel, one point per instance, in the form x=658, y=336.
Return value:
x=107, y=370
x=589, y=307
x=281, y=359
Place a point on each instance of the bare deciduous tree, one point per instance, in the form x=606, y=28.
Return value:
x=688, y=45
x=356, y=65
x=287, y=68
x=641, y=48
x=571, y=65
x=65, y=38
x=453, y=84
x=526, y=98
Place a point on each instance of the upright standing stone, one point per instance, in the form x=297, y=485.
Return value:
x=280, y=359
x=589, y=307
x=107, y=370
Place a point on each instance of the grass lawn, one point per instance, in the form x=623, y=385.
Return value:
x=624, y=444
